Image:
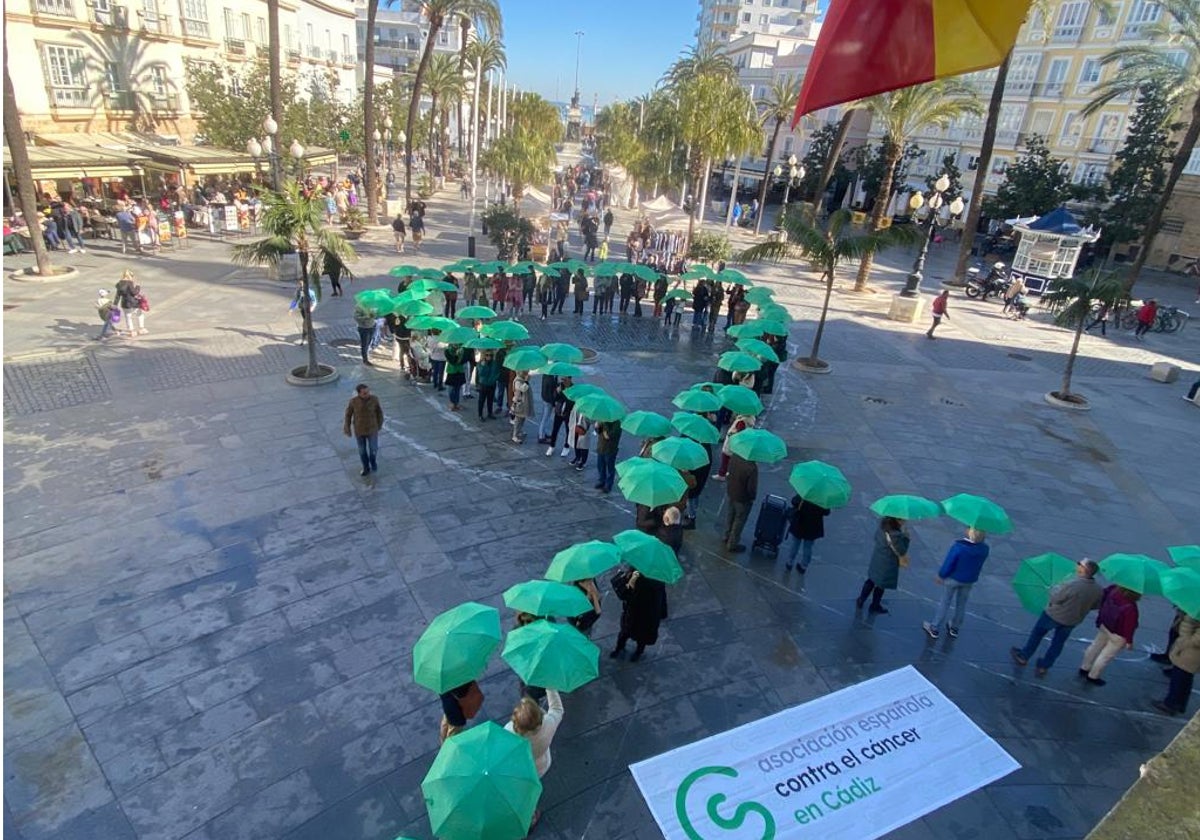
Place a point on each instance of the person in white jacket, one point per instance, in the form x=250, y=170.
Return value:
x=537, y=726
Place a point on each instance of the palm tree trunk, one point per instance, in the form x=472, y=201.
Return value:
x=465, y=32
x=14, y=137
x=1065, y=391
x=762, y=190
x=882, y=202
x=835, y=152
x=433, y=129
x=369, y=115
x=414, y=105
x=983, y=164
x=275, y=85
x=816, y=345
x=1182, y=155
x=445, y=142
x=705, y=176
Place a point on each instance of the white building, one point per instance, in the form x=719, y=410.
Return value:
x=400, y=37
x=722, y=21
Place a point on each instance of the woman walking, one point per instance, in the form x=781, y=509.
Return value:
x=1115, y=624
x=806, y=523
x=643, y=608
x=887, y=559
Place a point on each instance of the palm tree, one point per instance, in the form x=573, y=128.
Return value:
x=466, y=61
x=1142, y=66
x=524, y=155
x=369, y=156
x=485, y=14
x=295, y=223
x=445, y=83
x=486, y=53
x=1071, y=300
x=826, y=249
x=14, y=138
x=902, y=113
x=779, y=104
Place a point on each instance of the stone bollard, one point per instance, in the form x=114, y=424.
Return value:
x=1164, y=372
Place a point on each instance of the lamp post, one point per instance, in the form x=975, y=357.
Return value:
x=913, y=285
x=387, y=136
x=578, y=51
x=257, y=148
x=794, y=174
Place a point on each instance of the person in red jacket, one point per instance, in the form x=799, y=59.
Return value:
x=1114, y=631
x=939, y=311
x=1145, y=318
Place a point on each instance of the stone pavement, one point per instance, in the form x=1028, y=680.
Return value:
x=209, y=616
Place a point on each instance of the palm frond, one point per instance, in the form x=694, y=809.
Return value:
x=766, y=252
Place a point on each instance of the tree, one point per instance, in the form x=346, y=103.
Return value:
x=485, y=53
x=524, y=155
x=1154, y=65
x=445, y=86
x=274, y=76
x=710, y=248
x=14, y=138
x=617, y=138
x=777, y=107
x=506, y=228
x=1034, y=184
x=820, y=147
x=295, y=223
x=869, y=168
x=485, y=14
x=1071, y=300
x=950, y=169
x=826, y=248
x=901, y=114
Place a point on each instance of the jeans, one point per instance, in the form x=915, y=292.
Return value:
x=1101, y=651
x=487, y=399
x=1180, y=690
x=106, y=328
x=368, y=447
x=74, y=240
x=377, y=333
x=439, y=372
x=455, y=394
x=606, y=466
x=365, y=334
x=956, y=591
x=735, y=522
x=546, y=421
x=1044, y=625
x=804, y=549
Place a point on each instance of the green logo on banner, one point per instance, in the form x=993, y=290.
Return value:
x=740, y=813
x=344, y=135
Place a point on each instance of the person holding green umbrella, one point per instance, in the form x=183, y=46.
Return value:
x=1115, y=626
x=1069, y=604
x=643, y=608
x=806, y=524
x=889, y=556
x=537, y=726
x=958, y=573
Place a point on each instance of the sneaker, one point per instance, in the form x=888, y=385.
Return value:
x=1015, y=653
x=566, y=450
x=953, y=631
x=579, y=468
x=930, y=630
x=878, y=609
x=1097, y=681
x=718, y=477
x=549, y=451
x=1083, y=672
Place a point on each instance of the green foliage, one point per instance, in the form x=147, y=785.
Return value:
x=709, y=248
x=505, y=228
x=617, y=139
x=950, y=169
x=354, y=218
x=524, y=155
x=870, y=165
x=1071, y=300
x=1034, y=184
x=819, y=149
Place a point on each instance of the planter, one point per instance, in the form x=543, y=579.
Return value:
x=590, y=356
x=352, y=234
x=58, y=274
x=1071, y=402
x=812, y=366
x=326, y=375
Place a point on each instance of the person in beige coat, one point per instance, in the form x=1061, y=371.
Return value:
x=1185, y=662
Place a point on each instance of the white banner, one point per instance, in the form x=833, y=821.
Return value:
x=854, y=764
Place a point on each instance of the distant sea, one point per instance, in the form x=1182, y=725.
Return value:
x=589, y=115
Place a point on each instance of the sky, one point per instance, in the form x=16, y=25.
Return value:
x=626, y=47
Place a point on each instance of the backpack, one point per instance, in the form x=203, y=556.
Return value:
x=106, y=311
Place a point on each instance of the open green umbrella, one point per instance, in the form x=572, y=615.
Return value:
x=1037, y=575
x=701, y=270
x=524, y=267
x=1135, y=571
x=745, y=330
x=902, y=506
x=1185, y=555
x=576, y=265
x=491, y=267
x=652, y=484
x=645, y=272
x=696, y=427
x=374, y=299
x=740, y=400
x=411, y=294
x=558, y=352
x=678, y=294
x=506, y=331
x=582, y=389
x=432, y=322
x=583, y=561
x=432, y=286
x=552, y=655
x=758, y=348
x=649, y=555
x=680, y=452
x=547, y=597
x=455, y=647
x=1181, y=586
x=522, y=358
x=601, y=407
x=758, y=445
x=562, y=369
x=778, y=327
x=461, y=265
x=820, y=483
x=697, y=400
x=646, y=424
x=607, y=269
x=476, y=313
x=484, y=343
x=411, y=308
x=634, y=463
x=760, y=296
x=773, y=312
x=554, y=268
x=732, y=275
x=405, y=271
x=459, y=335
x=483, y=785
x=977, y=512
x=693, y=274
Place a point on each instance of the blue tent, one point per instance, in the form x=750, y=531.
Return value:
x=1057, y=221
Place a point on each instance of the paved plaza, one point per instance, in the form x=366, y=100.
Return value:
x=209, y=615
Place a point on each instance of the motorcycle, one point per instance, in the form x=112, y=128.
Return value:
x=995, y=283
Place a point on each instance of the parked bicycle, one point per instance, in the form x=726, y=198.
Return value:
x=1170, y=319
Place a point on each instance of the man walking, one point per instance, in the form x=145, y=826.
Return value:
x=608, y=438
x=365, y=415
x=740, y=490
x=939, y=311
x=1070, y=603
x=364, y=319
x=549, y=395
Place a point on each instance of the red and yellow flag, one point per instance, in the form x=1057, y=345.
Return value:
x=872, y=46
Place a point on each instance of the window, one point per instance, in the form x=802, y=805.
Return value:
x=247, y=29
x=1072, y=127
x=1107, y=131
x=787, y=145
x=288, y=43
x=328, y=39
x=308, y=30
x=1177, y=57
x=1089, y=74
x=1023, y=72
x=1107, y=17
x=346, y=48
x=195, y=18
x=260, y=34
x=764, y=20
x=745, y=17
x=235, y=86
x=1142, y=15
x=61, y=8
x=1089, y=174
x=1040, y=124
x=68, y=85
x=1068, y=26
x=113, y=78
x=231, y=27
x=725, y=18
x=443, y=38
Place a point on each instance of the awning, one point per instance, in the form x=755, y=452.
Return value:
x=55, y=162
x=200, y=160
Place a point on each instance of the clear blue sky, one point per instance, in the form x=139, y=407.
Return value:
x=627, y=44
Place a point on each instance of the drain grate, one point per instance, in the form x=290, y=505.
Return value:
x=1020, y=357
x=876, y=400
x=954, y=403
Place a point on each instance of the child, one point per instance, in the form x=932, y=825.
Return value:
x=105, y=309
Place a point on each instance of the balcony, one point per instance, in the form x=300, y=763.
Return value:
x=194, y=28
x=315, y=52
x=54, y=8
x=121, y=100
x=1007, y=136
x=388, y=43
x=1066, y=34
x=165, y=102
x=69, y=97
x=1048, y=90
x=110, y=17
x=235, y=47
x=1018, y=87
x=154, y=24
x=349, y=59
x=1102, y=147
x=292, y=56
x=332, y=56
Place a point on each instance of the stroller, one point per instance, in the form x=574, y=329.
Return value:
x=1016, y=307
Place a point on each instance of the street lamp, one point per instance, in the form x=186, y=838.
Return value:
x=387, y=134
x=256, y=148
x=795, y=174
x=916, y=202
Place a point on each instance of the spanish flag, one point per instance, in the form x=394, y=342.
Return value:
x=872, y=46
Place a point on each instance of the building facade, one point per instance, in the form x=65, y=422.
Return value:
x=83, y=66
x=400, y=36
x=723, y=21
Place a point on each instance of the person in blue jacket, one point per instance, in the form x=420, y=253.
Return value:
x=958, y=574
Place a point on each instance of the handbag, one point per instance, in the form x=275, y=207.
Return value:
x=901, y=559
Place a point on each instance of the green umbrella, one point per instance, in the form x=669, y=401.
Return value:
x=977, y=512
x=738, y=362
x=483, y=785
x=601, y=407
x=562, y=369
x=506, y=331
x=1135, y=571
x=652, y=484
x=461, y=265
x=411, y=294
x=455, y=647
x=459, y=335
x=773, y=312
x=645, y=272
x=1185, y=555
x=428, y=285
x=484, y=343
x=740, y=400
x=771, y=327
x=547, y=597
x=732, y=275
x=490, y=267
x=678, y=294
x=758, y=445
x=583, y=561
x=758, y=348
x=433, y=322
x=649, y=555
x=524, y=267
x=1181, y=586
x=411, y=308
x=693, y=274
x=745, y=330
x=374, y=298
x=557, y=352
x=555, y=268
x=552, y=655
x=476, y=313
x=405, y=271
x=576, y=265
x=523, y=358
x=635, y=463
x=582, y=389
x=760, y=296
x=1037, y=575
x=431, y=273
x=697, y=400
x=646, y=424
x=701, y=270
x=680, y=452
x=607, y=269
x=906, y=507
x=696, y=427
x=820, y=483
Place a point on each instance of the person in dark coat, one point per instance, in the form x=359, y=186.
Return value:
x=888, y=557
x=700, y=474
x=806, y=525
x=643, y=608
